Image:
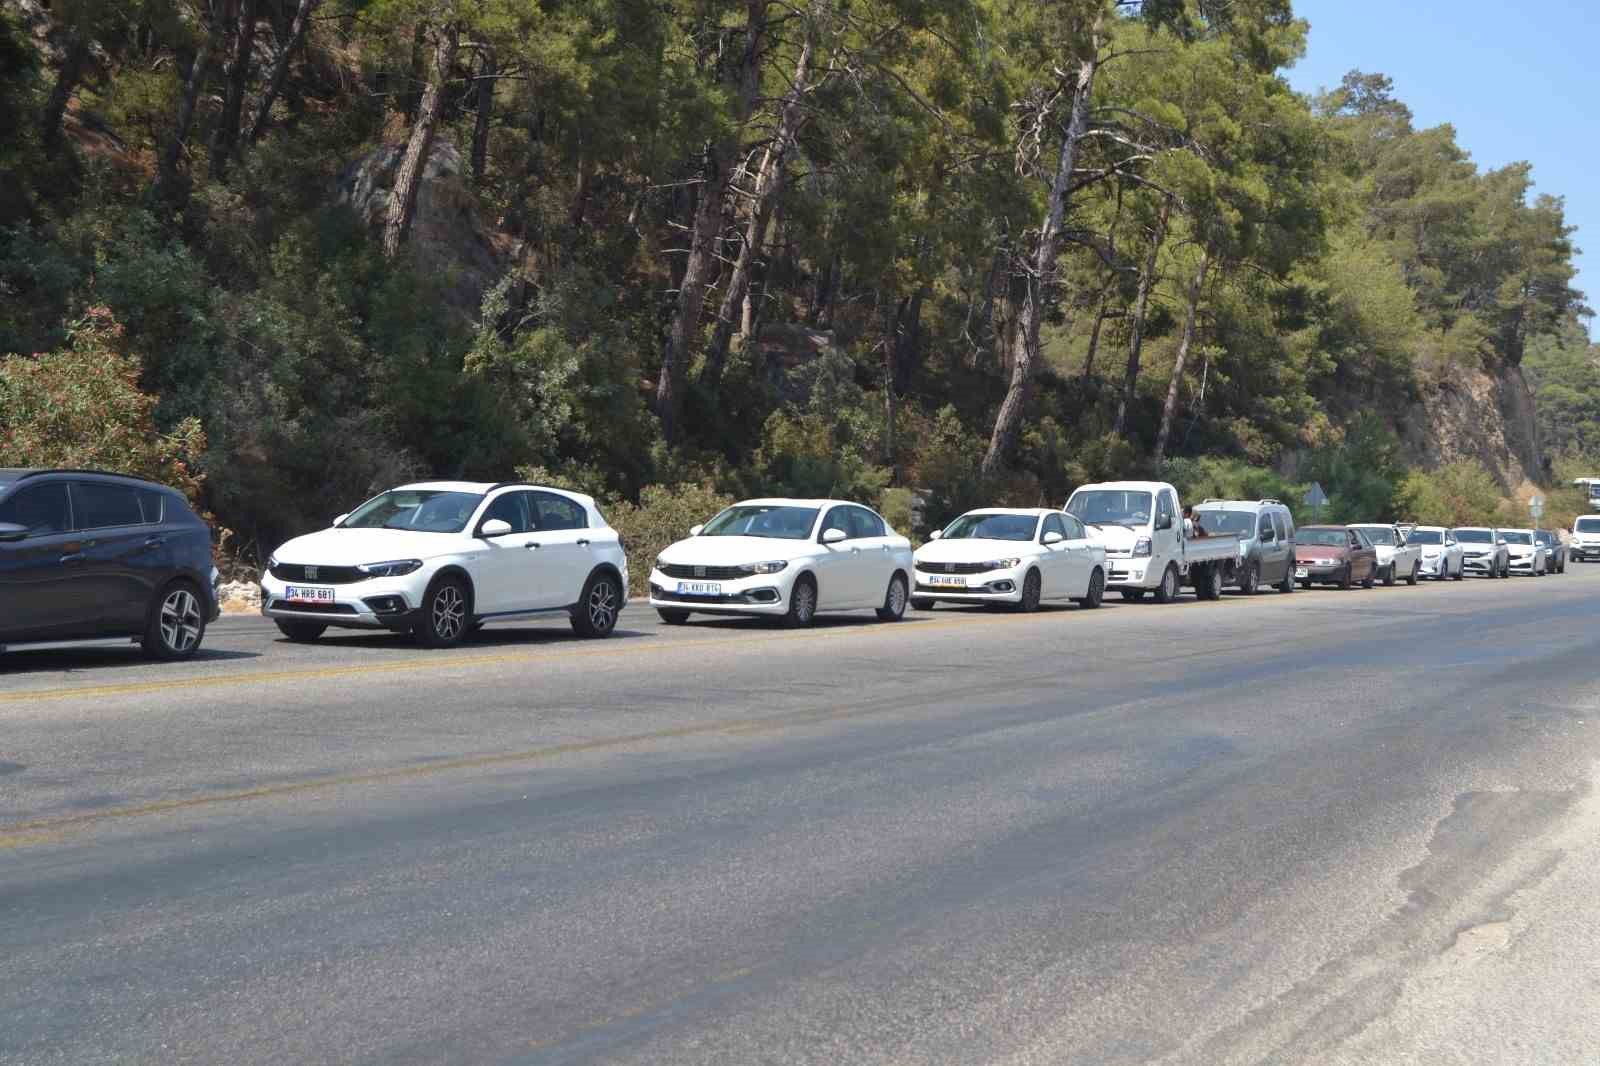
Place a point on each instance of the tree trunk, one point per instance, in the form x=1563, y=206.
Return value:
x=412, y=100
x=1094, y=335
x=55, y=108
x=280, y=67
x=1025, y=345
x=408, y=180
x=769, y=186
x=1141, y=306
x=167, y=181
x=226, y=136
x=488, y=70
x=709, y=219
x=1184, y=345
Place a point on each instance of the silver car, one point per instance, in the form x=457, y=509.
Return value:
x=1483, y=551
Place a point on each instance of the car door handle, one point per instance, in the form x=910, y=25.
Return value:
x=532, y=544
x=584, y=543
x=75, y=557
x=154, y=542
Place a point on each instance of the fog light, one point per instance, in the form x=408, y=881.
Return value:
x=1003, y=586
x=385, y=604
x=764, y=596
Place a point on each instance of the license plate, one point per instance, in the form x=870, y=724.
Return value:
x=947, y=582
x=307, y=594
x=1301, y=571
x=699, y=588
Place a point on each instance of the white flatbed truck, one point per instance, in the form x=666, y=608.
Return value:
x=1140, y=525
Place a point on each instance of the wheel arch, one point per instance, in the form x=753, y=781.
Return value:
x=457, y=571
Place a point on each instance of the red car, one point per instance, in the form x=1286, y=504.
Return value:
x=1334, y=555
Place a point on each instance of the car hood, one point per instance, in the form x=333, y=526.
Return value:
x=974, y=550
x=735, y=551
x=351, y=547
x=1116, y=538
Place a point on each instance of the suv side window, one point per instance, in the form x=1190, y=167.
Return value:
x=97, y=505
x=863, y=523
x=1280, y=527
x=512, y=508
x=1264, y=530
x=557, y=512
x=43, y=509
x=150, y=502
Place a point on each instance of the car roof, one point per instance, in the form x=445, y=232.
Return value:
x=1032, y=512
x=785, y=501
x=1125, y=486
x=485, y=487
x=13, y=474
x=1373, y=525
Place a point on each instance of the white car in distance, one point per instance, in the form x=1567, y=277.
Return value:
x=1398, y=558
x=1526, y=554
x=1021, y=558
x=1584, y=544
x=785, y=559
x=1441, y=553
x=438, y=559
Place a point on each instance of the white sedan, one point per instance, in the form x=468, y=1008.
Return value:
x=788, y=559
x=1016, y=557
x=1398, y=558
x=1528, y=556
x=438, y=559
x=1441, y=552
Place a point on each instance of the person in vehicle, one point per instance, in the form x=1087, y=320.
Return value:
x=1192, y=526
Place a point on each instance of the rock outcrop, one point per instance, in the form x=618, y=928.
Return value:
x=1483, y=415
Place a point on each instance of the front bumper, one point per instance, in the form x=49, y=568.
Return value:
x=1131, y=573
x=1478, y=564
x=1432, y=567
x=1583, y=552
x=994, y=586
x=759, y=594
x=377, y=603
x=1308, y=571
x=1524, y=564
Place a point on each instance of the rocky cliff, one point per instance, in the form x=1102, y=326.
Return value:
x=1486, y=415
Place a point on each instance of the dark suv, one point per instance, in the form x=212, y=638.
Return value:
x=86, y=555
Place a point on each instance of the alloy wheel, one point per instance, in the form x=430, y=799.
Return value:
x=602, y=606
x=181, y=622
x=448, y=613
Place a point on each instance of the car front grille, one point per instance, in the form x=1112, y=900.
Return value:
x=313, y=608
x=715, y=573
x=325, y=575
x=954, y=568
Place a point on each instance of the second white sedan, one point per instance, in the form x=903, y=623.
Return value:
x=786, y=559
x=1018, y=557
x=1441, y=553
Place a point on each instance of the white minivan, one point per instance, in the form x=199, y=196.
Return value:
x=1585, y=543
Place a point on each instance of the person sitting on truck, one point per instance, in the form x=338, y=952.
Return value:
x=1192, y=526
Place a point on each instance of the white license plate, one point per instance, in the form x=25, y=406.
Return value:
x=1301, y=571
x=699, y=588
x=940, y=582
x=307, y=594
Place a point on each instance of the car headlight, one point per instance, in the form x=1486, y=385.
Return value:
x=770, y=567
x=392, y=568
x=1141, y=547
x=1003, y=564
x=272, y=560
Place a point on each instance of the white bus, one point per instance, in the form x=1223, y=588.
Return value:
x=1591, y=489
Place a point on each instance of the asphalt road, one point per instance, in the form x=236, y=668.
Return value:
x=1328, y=827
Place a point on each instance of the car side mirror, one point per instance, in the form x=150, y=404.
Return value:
x=694, y=531
x=1502, y=540
x=1164, y=522
x=936, y=534
x=337, y=522
x=1053, y=537
x=494, y=527
x=11, y=532
x=833, y=536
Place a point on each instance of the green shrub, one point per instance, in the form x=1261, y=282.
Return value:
x=664, y=514
x=1462, y=493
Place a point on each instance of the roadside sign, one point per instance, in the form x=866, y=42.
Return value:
x=1315, y=497
x=1536, y=507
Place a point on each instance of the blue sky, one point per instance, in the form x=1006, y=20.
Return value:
x=1516, y=81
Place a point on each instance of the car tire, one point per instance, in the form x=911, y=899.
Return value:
x=1250, y=580
x=598, y=609
x=1412, y=578
x=1287, y=584
x=1097, y=590
x=1133, y=595
x=1388, y=576
x=1167, y=591
x=894, y=600
x=802, y=603
x=671, y=616
x=1347, y=578
x=176, y=625
x=921, y=604
x=1461, y=572
x=446, y=613
x=1372, y=578
x=1032, y=590
x=1306, y=585
x=302, y=632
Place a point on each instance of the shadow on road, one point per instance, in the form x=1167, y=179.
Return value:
x=54, y=661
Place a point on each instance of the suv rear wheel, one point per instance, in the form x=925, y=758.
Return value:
x=596, y=613
x=177, y=623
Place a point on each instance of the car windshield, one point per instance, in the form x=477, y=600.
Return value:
x=1220, y=521
x=1474, y=536
x=1425, y=536
x=1326, y=538
x=993, y=527
x=1378, y=534
x=1110, y=507
x=418, y=510
x=1588, y=525
x=1515, y=537
x=771, y=520
x=1546, y=538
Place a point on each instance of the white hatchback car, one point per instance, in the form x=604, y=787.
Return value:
x=1016, y=557
x=787, y=559
x=438, y=559
x=1441, y=553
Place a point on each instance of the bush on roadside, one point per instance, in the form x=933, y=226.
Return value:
x=1462, y=493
